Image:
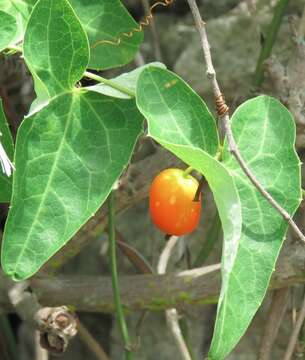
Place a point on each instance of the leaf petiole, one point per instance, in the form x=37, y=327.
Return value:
x=109, y=83
x=14, y=48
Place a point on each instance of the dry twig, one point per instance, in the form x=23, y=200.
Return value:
x=277, y=311
x=40, y=353
x=295, y=334
x=92, y=344
x=172, y=314
x=211, y=75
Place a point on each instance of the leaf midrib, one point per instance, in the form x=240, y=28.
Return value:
x=53, y=169
x=169, y=112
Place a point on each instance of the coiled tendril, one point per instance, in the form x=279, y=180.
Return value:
x=145, y=22
x=221, y=106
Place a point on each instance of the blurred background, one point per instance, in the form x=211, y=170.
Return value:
x=237, y=31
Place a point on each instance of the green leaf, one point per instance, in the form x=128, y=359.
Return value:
x=55, y=45
x=20, y=10
x=179, y=120
x=127, y=80
x=68, y=156
x=178, y=111
x=8, y=29
x=108, y=20
x=7, y=142
x=265, y=134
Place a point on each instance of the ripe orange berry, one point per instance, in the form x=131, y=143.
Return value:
x=171, y=203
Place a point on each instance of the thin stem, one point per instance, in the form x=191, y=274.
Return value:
x=185, y=333
x=269, y=41
x=172, y=314
x=202, y=181
x=92, y=344
x=40, y=353
x=114, y=275
x=187, y=171
x=109, y=83
x=166, y=254
x=200, y=25
x=294, y=336
x=276, y=314
x=14, y=48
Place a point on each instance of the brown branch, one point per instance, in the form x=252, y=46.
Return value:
x=152, y=292
x=211, y=74
x=138, y=292
x=277, y=311
x=133, y=255
x=295, y=334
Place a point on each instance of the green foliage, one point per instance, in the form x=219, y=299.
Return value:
x=162, y=95
x=20, y=10
x=56, y=54
x=68, y=157
x=8, y=29
x=179, y=120
x=105, y=23
x=108, y=20
x=7, y=142
x=127, y=80
x=265, y=134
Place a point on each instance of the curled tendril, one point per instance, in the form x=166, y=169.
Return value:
x=221, y=106
x=145, y=22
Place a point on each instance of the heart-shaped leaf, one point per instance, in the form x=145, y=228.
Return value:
x=265, y=134
x=55, y=45
x=68, y=156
